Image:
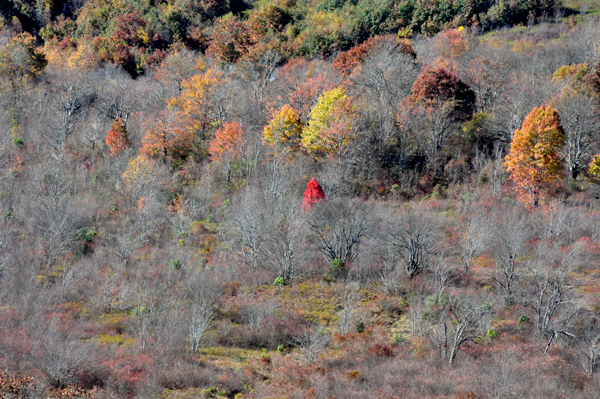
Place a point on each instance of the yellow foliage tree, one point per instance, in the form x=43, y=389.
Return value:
x=138, y=177
x=20, y=62
x=285, y=128
x=82, y=56
x=331, y=124
x=534, y=163
x=594, y=167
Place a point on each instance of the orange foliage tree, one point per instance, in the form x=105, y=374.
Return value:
x=346, y=61
x=227, y=143
x=533, y=162
x=164, y=139
x=116, y=138
x=199, y=105
x=226, y=148
x=453, y=42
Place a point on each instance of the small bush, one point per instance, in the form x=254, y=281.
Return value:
x=88, y=234
x=398, y=339
x=337, y=265
x=18, y=142
x=360, y=327
x=381, y=350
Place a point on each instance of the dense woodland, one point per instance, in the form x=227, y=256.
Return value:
x=299, y=199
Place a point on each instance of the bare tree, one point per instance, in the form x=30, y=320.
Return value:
x=311, y=342
x=257, y=312
x=131, y=235
x=473, y=238
x=120, y=95
x=63, y=102
x=412, y=237
x=350, y=313
x=61, y=356
x=557, y=222
x=502, y=377
x=54, y=212
x=278, y=170
x=202, y=292
x=143, y=320
x=463, y=320
x=284, y=238
x=417, y=312
x=510, y=234
x=516, y=100
x=589, y=345
x=427, y=129
x=243, y=229
x=580, y=120
x=260, y=73
x=178, y=66
x=553, y=299
x=443, y=273
x=339, y=227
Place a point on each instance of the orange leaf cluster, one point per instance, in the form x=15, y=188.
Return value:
x=164, y=139
x=227, y=143
x=346, y=61
x=116, y=138
x=534, y=163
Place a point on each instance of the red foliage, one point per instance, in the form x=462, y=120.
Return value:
x=381, y=350
x=313, y=194
x=230, y=40
x=128, y=371
x=128, y=29
x=346, y=61
x=436, y=86
x=116, y=138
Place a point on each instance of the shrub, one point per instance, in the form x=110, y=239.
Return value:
x=175, y=264
x=18, y=142
x=381, y=350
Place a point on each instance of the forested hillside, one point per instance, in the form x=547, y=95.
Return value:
x=299, y=199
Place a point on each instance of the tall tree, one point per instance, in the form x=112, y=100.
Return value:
x=533, y=162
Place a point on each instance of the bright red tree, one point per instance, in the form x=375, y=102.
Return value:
x=116, y=138
x=313, y=194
